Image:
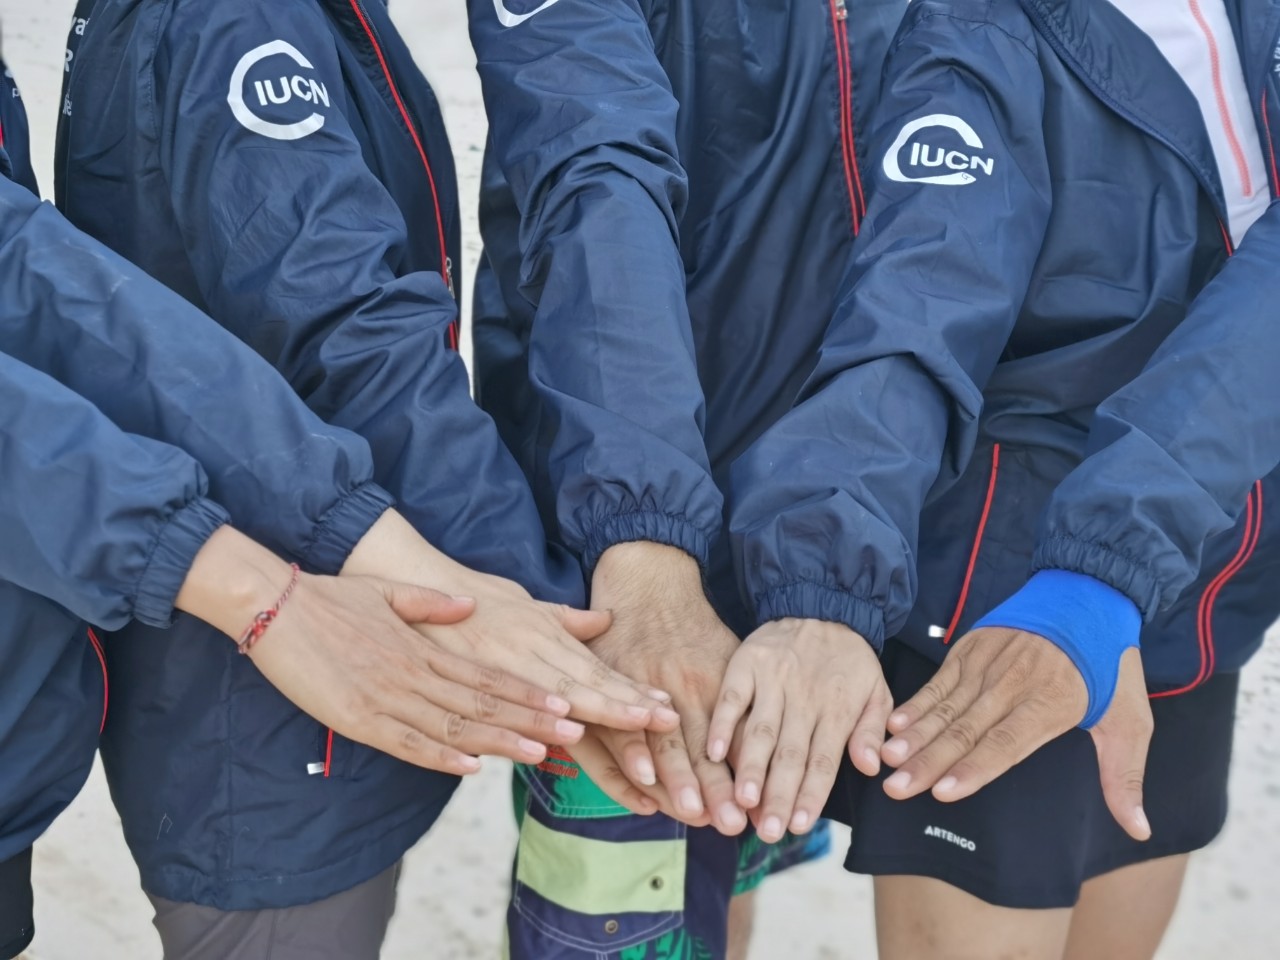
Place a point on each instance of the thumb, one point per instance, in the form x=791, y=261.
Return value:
x=1121, y=738
x=414, y=604
x=583, y=625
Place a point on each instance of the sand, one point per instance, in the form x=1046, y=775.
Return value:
x=453, y=892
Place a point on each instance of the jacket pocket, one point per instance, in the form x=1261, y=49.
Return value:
x=589, y=874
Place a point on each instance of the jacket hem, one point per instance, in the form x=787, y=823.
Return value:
x=281, y=890
x=343, y=526
x=182, y=537
x=668, y=529
x=1135, y=580
x=816, y=601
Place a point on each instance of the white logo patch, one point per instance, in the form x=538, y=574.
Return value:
x=923, y=156
x=509, y=19
x=268, y=92
x=950, y=837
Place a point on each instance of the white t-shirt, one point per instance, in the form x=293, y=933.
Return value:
x=1195, y=37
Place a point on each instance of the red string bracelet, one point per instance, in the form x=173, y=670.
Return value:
x=263, y=620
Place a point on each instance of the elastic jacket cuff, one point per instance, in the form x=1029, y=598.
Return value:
x=171, y=558
x=1135, y=580
x=1089, y=621
x=664, y=528
x=343, y=526
x=816, y=601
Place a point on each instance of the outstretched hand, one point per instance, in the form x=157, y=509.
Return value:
x=999, y=696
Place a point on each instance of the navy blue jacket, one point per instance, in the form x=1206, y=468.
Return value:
x=1046, y=208
x=14, y=136
x=283, y=165
x=670, y=193
x=101, y=525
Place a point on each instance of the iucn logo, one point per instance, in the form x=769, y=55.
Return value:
x=925, y=156
x=274, y=91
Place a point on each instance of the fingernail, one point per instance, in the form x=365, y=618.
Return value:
x=947, y=784
x=899, y=781
x=751, y=793
x=659, y=694
x=690, y=801
x=667, y=715
x=871, y=757
x=731, y=817
x=800, y=821
x=640, y=713
x=771, y=830
x=461, y=599
x=896, y=749
x=532, y=747
x=1140, y=817
x=897, y=719
x=717, y=751
x=644, y=770
x=470, y=763
x=558, y=704
x=569, y=729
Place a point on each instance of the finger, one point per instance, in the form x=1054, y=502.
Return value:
x=411, y=745
x=491, y=680
x=791, y=761
x=1122, y=738
x=918, y=736
x=760, y=731
x=928, y=697
x=954, y=741
x=825, y=753
x=607, y=774
x=582, y=625
x=675, y=773
x=1024, y=731
x=868, y=734
x=602, y=695
x=414, y=604
x=715, y=779
x=736, y=692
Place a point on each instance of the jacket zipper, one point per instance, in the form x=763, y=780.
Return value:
x=446, y=263
x=977, y=548
x=106, y=689
x=1271, y=147
x=844, y=80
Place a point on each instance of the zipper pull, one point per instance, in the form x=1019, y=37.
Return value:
x=842, y=11
x=448, y=276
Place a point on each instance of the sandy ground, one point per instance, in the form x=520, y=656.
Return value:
x=453, y=892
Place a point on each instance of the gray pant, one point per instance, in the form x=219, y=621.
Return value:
x=348, y=926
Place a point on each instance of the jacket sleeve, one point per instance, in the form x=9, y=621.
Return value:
x=582, y=123
x=159, y=368
x=1198, y=426
x=827, y=502
x=103, y=523
x=15, y=137
x=295, y=243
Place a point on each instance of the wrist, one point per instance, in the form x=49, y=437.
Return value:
x=232, y=579
x=644, y=571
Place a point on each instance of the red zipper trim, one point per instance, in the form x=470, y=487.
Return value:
x=106, y=687
x=977, y=545
x=422, y=154
x=328, y=753
x=844, y=77
x=1204, y=613
x=1220, y=95
x=1271, y=147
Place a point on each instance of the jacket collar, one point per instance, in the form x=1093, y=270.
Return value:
x=1124, y=69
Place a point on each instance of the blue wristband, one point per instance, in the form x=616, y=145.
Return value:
x=1090, y=622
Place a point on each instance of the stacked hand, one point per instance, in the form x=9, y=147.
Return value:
x=488, y=670
x=797, y=695
x=666, y=635
x=999, y=696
